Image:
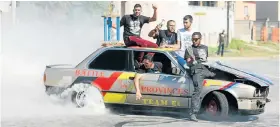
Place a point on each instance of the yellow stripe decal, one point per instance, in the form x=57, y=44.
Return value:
x=118, y=97
x=213, y=83
x=115, y=98
x=126, y=75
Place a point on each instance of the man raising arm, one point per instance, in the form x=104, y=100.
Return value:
x=133, y=23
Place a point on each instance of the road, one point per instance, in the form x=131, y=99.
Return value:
x=37, y=110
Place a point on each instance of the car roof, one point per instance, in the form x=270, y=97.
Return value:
x=137, y=48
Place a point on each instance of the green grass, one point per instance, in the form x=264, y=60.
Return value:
x=272, y=45
x=239, y=48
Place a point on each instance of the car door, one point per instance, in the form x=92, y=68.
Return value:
x=165, y=90
x=114, y=65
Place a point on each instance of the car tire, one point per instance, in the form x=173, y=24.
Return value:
x=86, y=95
x=215, y=106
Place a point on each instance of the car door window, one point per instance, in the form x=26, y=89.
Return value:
x=167, y=65
x=115, y=60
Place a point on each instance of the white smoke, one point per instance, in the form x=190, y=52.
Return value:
x=45, y=33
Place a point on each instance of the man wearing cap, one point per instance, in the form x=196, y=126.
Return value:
x=148, y=67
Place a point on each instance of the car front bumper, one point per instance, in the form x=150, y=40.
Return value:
x=251, y=106
x=251, y=112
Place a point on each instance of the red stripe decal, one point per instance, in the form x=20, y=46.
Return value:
x=226, y=86
x=105, y=83
x=204, y=82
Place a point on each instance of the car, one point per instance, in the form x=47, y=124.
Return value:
x=111, y=70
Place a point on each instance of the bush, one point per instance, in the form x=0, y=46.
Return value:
x=237, y=44
x=212, y=50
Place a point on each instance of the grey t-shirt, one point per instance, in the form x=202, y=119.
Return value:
x=200, y=53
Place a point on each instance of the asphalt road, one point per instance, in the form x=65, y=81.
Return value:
x=35, y=110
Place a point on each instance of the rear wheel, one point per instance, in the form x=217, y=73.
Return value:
x=78, y=98
x=215, y=106
x=85, y=95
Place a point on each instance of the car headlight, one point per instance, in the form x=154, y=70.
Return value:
x=261, y=92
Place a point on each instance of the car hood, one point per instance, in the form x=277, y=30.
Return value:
x=262, y=81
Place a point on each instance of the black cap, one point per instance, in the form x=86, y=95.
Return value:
x=197, y=33
x=148, y=57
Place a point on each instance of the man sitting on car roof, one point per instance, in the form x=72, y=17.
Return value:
x=133, y=24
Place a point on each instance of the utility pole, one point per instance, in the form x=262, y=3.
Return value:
x=228, y=7
x=14, y=6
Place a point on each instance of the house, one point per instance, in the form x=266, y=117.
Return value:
x=268, y=20
x=245, y=16
x=245, y=10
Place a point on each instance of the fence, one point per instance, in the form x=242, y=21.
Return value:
x=256, y=30
x=267, y=31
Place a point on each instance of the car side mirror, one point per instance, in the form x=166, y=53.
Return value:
x=175, y=70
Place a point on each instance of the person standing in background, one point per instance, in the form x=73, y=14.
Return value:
x=221, y=42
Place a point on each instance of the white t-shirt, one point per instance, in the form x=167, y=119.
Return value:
x=185, y=37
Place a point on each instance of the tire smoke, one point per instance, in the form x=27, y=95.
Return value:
x=45, y=33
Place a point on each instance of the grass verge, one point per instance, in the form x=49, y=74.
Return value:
x=239, y=48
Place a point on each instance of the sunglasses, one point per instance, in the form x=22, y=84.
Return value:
x=195, y=39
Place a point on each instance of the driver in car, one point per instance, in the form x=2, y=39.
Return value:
x=148, y=66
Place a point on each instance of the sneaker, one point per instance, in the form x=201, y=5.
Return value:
x=193, y=118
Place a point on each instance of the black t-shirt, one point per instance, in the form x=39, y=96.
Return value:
x=222, y=38
x=133, y=25
x=200, y=53
x=157, y=68
x=163, y=34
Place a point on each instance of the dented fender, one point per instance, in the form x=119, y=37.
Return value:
x=237, y=90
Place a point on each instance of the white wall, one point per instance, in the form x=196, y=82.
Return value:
x=210, y=24
x=5, y=6
x=4, y=9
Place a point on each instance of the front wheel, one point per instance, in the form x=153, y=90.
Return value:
x=215, y=106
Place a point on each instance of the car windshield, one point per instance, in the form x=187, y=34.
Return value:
x=179, y=59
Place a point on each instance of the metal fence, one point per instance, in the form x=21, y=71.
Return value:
x=267, y=30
